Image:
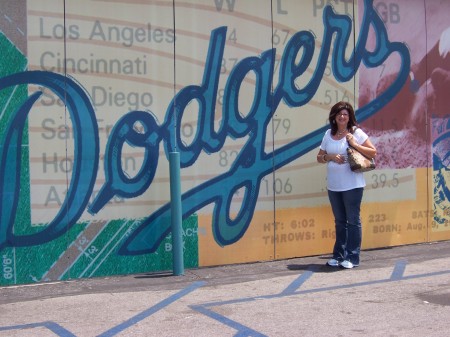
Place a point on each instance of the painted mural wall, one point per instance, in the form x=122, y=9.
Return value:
x=94, y=95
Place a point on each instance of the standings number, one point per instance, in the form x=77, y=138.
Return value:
x=280, y=186
x=228, y=64
x=7, y=268
x=333, y=96
x=280, y=37
x=226, y=158
x=283, y=124
x=382, y=180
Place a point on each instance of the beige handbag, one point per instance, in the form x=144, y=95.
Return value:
x=359, y=162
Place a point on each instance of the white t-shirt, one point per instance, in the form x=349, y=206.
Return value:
x=339, y=176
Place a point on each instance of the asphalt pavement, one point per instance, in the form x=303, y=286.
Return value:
x=397, y=291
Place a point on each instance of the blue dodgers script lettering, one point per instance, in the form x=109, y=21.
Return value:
x=252, y=163
x=250, y=166
x=86, y=157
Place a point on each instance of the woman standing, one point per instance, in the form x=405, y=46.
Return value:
x=345, y=188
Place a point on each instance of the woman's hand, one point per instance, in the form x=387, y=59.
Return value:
x=323, y=157
x=367, y=148
x=351, y=140
x=337, y=158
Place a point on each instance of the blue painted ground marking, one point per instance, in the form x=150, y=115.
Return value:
x=242, y=329
x=139, y=317
x=397, y=275
x=297, y=283
x=61, y=332
x=399, y=270
x=52, y=326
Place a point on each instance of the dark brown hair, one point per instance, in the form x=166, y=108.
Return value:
x=338, y=107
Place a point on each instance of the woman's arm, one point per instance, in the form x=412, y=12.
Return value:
x=366, y=148
x=324, y=157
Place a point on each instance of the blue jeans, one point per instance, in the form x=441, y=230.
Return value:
x=346, y=206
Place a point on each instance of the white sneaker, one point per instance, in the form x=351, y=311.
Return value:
x=333, y=263
x=347, y=264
